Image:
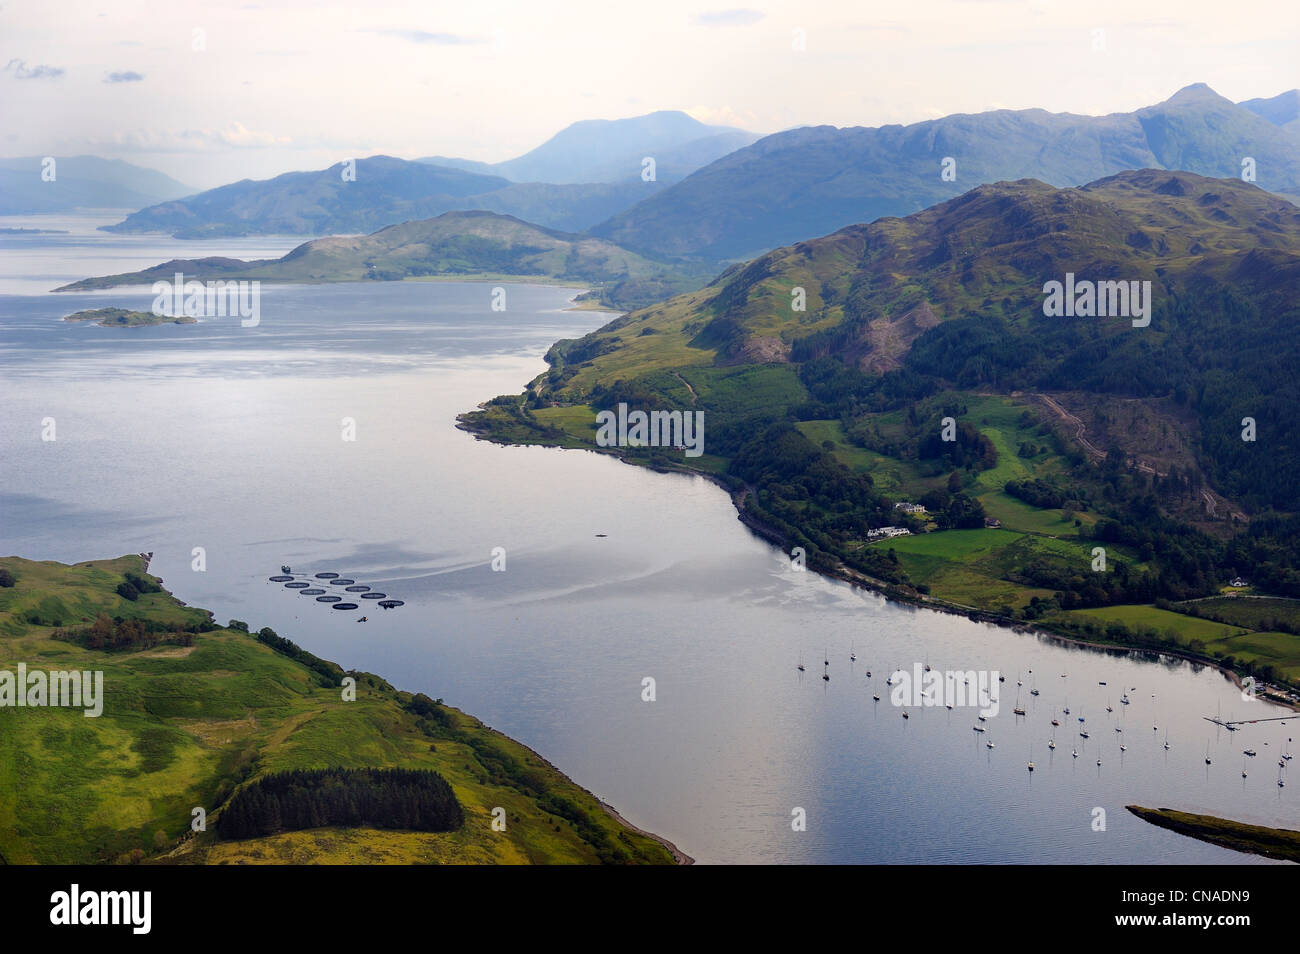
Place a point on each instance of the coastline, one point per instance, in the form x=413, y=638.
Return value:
x=889, y=591
x=681, y=857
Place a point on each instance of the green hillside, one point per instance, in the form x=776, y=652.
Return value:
x=193, y=713
x=1067, y=434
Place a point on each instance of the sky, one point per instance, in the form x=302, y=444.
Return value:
x=211, y=93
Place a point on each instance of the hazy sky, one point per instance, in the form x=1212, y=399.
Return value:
x=301, y=83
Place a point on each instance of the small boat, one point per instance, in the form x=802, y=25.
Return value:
x=1101, y=682
x=868, y=673
x=1083, y=734
x=949, y=708
x=905, y=715
x=826, y=677
x=1123, y=747
x=876, y=697
x=1018, y=710
x=1124, y=699
x=978, y=728
x=988, y=744
x=1066, y=710
x=1109, y=709
x=285, y=569
x=1118, y=729
x=1074, y=754
x=1002, y=678
x=1031, y=766
x=1033, y=692
x=364, y=619
x=1098, y=763
x=981, y=718
x=1251, y=752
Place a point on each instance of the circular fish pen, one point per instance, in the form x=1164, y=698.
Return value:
x=280, y=579
x=326, y=576
x=313, y=592
x=360, y=588
x=389, y=604
x=296, y=586
x=344, y=606
x=341, y=582
x=373, y=596
x=328, y=599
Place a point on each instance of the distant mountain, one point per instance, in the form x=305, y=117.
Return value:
x=1280, y=110
x=385, y=191
x=82, y=182
x=806, y=182
x=454, y=244
x=612, y=150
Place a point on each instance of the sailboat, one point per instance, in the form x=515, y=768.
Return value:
x=1018, y=710
x=1034, y=689
x=1243, y=768
x=1051, y=743
x=1074, y=754
x=1207, y=753
x=1166, y=740
x=1054, y=720
x=801, y=669
x=875, y=696
x=905, y=715
x=988, y=744
x=853, y=656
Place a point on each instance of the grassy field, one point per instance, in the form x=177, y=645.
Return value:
x=1249, y=612
x=1187, y=627
x=185, y=726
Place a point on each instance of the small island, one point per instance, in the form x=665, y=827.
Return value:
x=122, y=318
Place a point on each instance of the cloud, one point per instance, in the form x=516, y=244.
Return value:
x=231, y=136
x=424, y=36
x=127, y=76
x=21, y=70
x=728, y=18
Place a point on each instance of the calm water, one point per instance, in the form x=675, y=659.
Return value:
x=229, y=438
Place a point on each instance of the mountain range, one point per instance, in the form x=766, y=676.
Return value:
x=809, y=181
x=81, y=182
x=583, y=175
